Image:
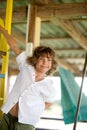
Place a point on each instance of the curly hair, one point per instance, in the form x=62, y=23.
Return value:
x=43, y=51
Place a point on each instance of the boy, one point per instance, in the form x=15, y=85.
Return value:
x=32, y=91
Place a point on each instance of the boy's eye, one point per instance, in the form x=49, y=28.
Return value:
x=43, y=58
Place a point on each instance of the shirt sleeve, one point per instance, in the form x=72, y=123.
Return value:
x=21, y=59
x=48, y=92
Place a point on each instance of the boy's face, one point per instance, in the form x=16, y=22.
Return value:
x=44, y=64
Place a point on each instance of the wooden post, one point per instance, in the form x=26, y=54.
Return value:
x=33, y=26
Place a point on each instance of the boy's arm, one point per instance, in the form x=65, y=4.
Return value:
x=12, y=43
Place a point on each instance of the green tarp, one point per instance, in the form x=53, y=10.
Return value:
x=69, y=97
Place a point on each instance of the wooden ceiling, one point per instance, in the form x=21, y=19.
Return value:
x=63, y=27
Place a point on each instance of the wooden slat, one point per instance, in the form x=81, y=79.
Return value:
x=62, y=10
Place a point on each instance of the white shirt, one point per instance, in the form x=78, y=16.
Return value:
x=31, y=95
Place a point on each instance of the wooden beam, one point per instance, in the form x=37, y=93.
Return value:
x=68, y=66
x=41, y=2
x=37, y=32
x=18, y=16
x=72, y=30
x=33, y=26
x=46, y=12
x=69, y=50
x=18, y=3
x=32, y=10
x=62, y=10
x=75, y=60
x=55, y=38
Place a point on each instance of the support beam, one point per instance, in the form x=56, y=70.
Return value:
x=33, y=26
x=47, y=12
x=18, y=16
x=37, y=32
x=18, y=3
x=55, y=38
x=68, y=66
x=72, y=30
x=31, y=23
x=70, y=50
x=62, y=10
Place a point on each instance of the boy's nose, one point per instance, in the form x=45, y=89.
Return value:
x=45, y=61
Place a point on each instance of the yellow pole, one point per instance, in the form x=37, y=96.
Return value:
x=5, y=60
x=1, y=80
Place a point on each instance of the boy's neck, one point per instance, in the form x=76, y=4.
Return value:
x=39, y=76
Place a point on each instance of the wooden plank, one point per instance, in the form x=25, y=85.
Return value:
x=37, y=32
x=62, y=10
x=18, y=3
x=56, y=38
x=18, y=16
x=41, y=2
x=47, y=12
x=33, y=26
x=32, y=9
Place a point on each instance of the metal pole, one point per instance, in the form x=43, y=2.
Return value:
x=80, y=94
